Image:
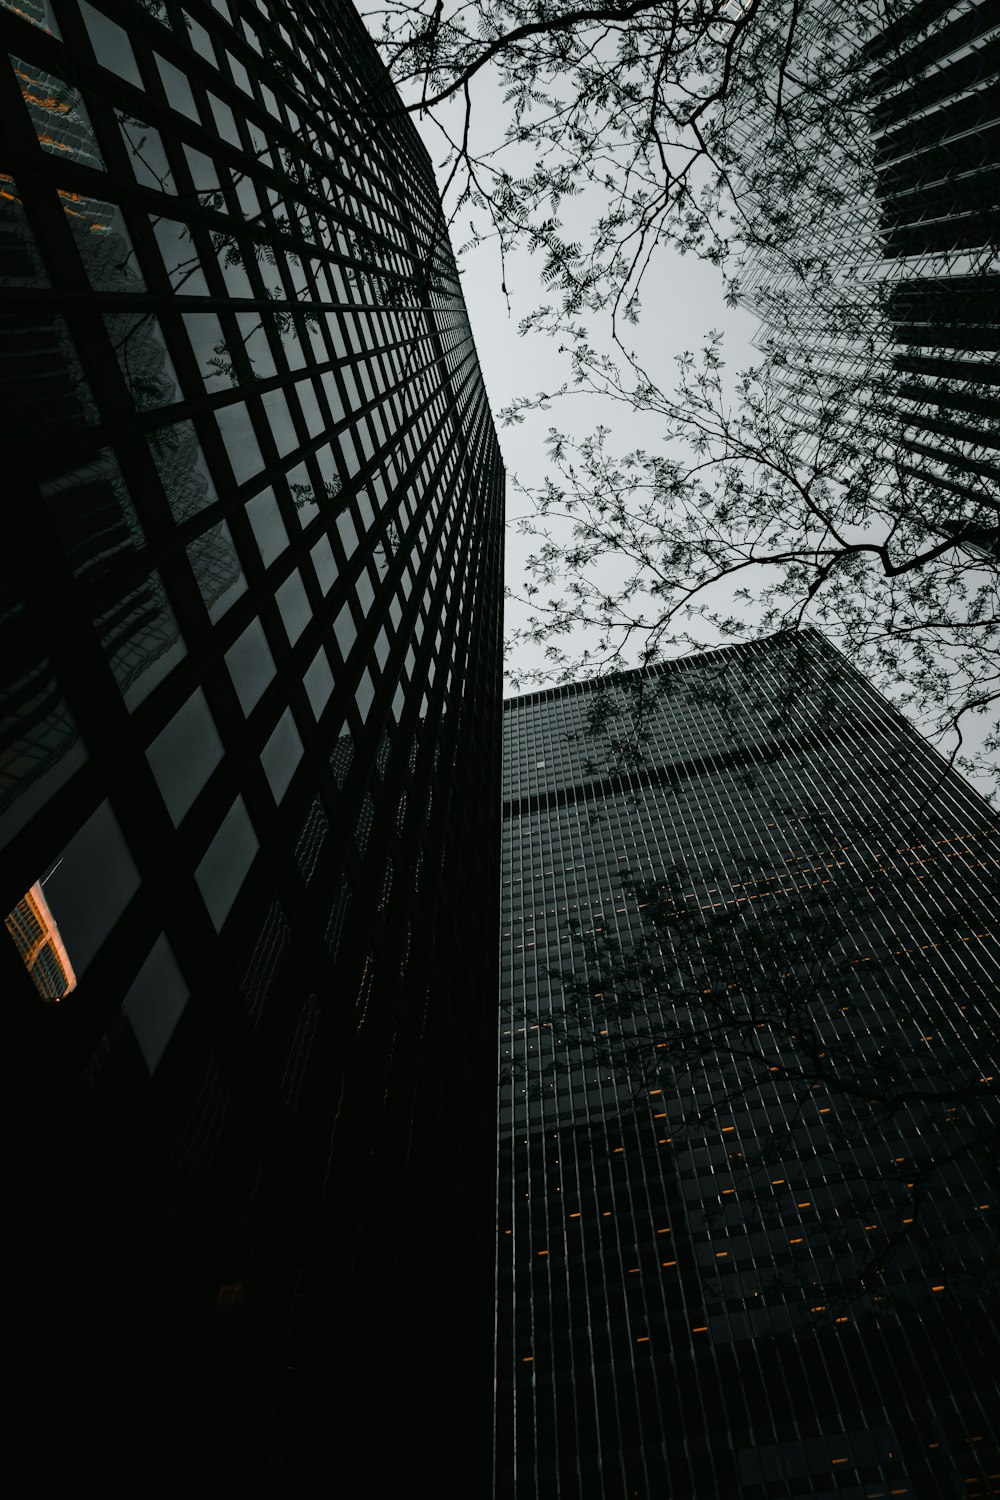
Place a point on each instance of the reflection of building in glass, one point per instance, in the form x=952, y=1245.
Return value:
x=725, y=1269
x=881, y=263
x=38, y=941
x=252, y=617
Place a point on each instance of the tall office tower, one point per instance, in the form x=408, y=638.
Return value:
x=743, y=1253
x=881, y=199
x=251, y=627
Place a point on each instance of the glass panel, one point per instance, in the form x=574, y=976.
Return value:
x=184, y=755
x=209, y=349
x=146, y=153
x=251, y=665
x=280, y=422
x=323, y=562
x=180, y=260
x=142, y=357
x=156, y=1001
x=281, y=755
x=111, y=45
x=242, y=448
x=58, y=115
x=177, y=88
x=345, y=631
x=365, y=695
x=319, y=682
x=217, y=569
x=224, y=867
x=341, y=757
x=182, y=469
x=293, y=602
x=268, y=527
x=141, y=640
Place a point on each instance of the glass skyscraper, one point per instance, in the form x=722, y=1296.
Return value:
x=251, y=626
x=747, y=1207
x=878, y=256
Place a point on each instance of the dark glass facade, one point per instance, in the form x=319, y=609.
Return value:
x=886, y=259
x=732, y=1280
x=251, y=637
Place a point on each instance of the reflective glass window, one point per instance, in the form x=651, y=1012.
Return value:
x=365, y=695
x=111, y=45
x=281, y=755
x=156, y=1001
x=184, y=754
x=251, y=665
x=319, y=682
x=323, y=562
x=293, y=602
x=240, y=441
x=217, y=569
x=224, y=867
x=268, y=527
x=141, y=640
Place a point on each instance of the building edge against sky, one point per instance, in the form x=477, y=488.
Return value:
x=690, y=1300
x=252, y=643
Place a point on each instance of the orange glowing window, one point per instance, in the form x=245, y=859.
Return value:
x=796, y=1242
x=702, y=1329
x=721, y=1254
x=528, y=1359
x=937, y=1288
x=643, y=1338
x=656, y=1091
x=574, y=1216
x=617, y=1149
x=806, y=1204
x=543, y=1252
x=606, y=1214
x=633, y=1270
x=36, y=936
x=663, y=1231
x=669, y=1263
x=842, y=1320
x=727, y=1128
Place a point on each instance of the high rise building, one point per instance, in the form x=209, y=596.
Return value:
x=251, y=626
x=879, y=201
x=747, y=1190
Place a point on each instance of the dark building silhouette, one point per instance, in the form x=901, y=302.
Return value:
x=731, y=1279
x=884, y=265
x=250, y=583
